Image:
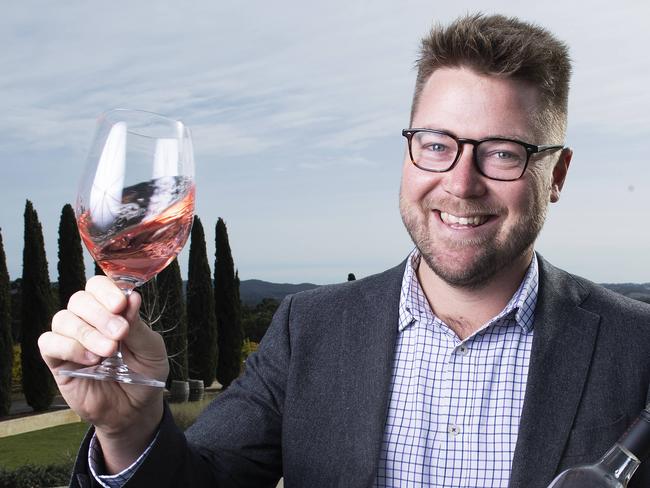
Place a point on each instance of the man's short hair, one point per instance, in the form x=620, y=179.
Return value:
x=503, y=46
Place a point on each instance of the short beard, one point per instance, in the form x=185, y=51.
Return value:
x=492, y=255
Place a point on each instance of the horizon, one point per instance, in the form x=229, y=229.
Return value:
x=297, y=132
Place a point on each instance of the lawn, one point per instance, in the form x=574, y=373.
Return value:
x=59, y=445
x=56, y=445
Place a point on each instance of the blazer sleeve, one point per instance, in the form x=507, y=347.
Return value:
x=235, y=442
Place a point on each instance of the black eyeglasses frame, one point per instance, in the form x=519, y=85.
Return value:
x=460, y=141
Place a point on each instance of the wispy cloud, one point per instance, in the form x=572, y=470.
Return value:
x=294, y=107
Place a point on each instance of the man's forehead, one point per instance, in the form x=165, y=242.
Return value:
x=461, y=99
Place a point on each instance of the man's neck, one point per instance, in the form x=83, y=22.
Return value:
x=466, y=310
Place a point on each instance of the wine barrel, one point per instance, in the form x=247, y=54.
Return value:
x=196, y=390
x=179, y=391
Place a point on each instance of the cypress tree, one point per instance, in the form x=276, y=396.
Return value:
x=173, y=321
x=230, y=336
x=72, y=273
x=16, y=292
x=6, y=342
x=36, y=314
x=201, y=318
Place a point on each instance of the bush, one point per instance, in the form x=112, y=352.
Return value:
x=185, y=414
x=256, y=320
x=31, y=476
x=248, y=348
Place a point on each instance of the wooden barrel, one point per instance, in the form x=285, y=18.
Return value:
x=179, y=391
x=196, y=390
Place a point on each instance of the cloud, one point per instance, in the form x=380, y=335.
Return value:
x=291, y=105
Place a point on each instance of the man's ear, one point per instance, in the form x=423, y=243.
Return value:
x=559, y=173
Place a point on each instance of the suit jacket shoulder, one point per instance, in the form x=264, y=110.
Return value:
x=588, y=376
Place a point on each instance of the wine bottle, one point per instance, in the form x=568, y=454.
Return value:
x=617, y=466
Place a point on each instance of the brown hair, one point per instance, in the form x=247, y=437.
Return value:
x=503, y=46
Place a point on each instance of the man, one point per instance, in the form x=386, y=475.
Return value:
x=474, y=363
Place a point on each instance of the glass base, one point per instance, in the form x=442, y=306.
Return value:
x=119, y=373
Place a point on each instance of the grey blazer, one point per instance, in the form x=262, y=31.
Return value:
x=312, y=403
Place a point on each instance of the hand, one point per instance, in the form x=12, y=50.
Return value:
x=125, y=416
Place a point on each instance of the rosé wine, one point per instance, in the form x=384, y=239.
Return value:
x=139, y=243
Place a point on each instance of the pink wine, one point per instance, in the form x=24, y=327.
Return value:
x=146, y=235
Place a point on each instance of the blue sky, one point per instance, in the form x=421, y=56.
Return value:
x=296, y=110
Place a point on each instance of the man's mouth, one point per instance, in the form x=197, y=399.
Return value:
x=469, y=221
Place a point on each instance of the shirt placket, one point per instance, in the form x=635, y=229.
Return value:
x=443, y=414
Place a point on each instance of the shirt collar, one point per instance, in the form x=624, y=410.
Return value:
x=414, y=306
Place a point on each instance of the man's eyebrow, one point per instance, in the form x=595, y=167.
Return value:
x=505, y=136
x=516, y=137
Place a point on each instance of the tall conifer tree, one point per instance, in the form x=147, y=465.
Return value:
x=230, y=332
x=201, y=318
x=6, y=342
x=173, y=320
x=37, y=308
x=72, y=273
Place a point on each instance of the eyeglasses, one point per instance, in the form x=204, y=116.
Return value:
x=495, y=158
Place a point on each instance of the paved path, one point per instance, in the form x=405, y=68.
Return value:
x=20, y=407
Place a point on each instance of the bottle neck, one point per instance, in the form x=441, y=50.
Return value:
x=620, y=462
x=637, y=437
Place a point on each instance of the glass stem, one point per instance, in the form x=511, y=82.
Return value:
x=116, y=361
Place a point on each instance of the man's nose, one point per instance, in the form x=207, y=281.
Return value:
x=464, y=179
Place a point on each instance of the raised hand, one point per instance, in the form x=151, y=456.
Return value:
x=125, y=416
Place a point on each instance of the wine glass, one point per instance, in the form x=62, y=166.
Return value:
x=134, y=208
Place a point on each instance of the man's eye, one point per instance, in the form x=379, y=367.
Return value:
x=504, y=155
x=436, y=147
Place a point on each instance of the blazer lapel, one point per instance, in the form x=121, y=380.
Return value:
x=369, y=343
x=563, y=345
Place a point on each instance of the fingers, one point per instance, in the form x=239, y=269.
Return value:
x=90, y=309
x=57, y=350
x=107, y=293
x=74, y=326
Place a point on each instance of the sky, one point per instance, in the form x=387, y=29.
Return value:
x=296, y=110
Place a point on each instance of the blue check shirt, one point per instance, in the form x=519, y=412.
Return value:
x=455, y=405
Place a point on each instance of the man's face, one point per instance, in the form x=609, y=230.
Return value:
x=505, y=217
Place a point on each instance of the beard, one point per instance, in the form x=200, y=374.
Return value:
x=489, y=254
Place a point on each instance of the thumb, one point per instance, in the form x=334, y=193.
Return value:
x=142, y=340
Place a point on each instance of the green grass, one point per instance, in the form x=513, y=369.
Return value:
x=55, y=445
x=59, y=445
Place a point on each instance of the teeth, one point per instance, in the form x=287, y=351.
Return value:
x=471, y=221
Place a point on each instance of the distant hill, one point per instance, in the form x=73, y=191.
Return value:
x=252, y=292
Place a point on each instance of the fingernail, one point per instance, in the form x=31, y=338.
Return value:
x=116, y=325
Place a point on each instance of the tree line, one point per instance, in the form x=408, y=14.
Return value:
x=200, y=323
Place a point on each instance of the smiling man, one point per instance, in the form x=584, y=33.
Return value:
x=475, y=363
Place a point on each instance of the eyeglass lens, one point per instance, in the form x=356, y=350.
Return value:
x=496, y=158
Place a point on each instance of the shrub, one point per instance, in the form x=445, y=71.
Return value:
x=185, y=414
x=31, y=476
x=247, y=348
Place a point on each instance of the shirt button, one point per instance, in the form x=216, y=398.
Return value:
x=453, y=429
x=463, y=350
